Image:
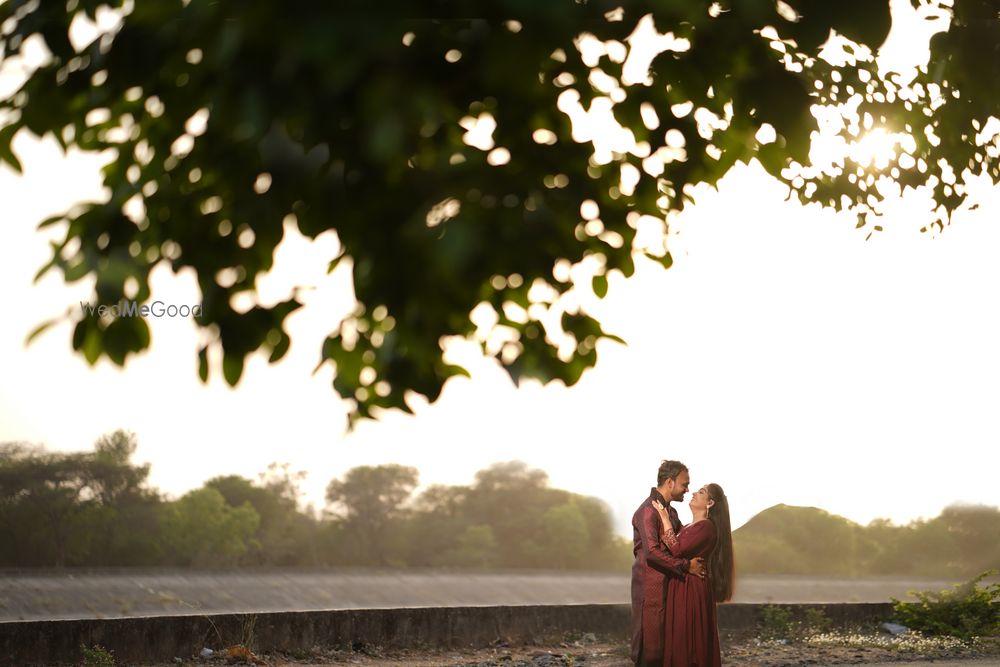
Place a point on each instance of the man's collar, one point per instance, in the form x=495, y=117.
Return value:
x=656, y=495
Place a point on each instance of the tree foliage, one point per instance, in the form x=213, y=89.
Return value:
x=961, y=541
x=96, y=508
x=63, y=509
x=944, y=121
x=201, y=529
x=370, y=500
x=225, y=123
x=285, y=535
x=52, y=513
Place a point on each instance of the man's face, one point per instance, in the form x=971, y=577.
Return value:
x=678, y=487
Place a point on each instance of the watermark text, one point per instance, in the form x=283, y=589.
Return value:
x=126, y=308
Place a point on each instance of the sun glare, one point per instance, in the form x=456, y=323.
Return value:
x=876, y=149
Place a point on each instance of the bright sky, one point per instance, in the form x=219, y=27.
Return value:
x=782, y=356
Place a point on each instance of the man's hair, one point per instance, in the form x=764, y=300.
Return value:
x=669, y=470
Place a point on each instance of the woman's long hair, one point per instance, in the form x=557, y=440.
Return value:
x=720, y=561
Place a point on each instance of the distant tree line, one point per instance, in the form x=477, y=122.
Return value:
x=97, y=509
x=961, y=542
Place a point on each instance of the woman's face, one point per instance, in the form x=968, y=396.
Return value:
x=700, y=500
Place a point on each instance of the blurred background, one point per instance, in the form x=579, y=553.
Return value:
x=841, y=387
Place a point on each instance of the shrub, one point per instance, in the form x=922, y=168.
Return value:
x=97, y=656
x=817, y=621
x=966, y=610
x=778, y=623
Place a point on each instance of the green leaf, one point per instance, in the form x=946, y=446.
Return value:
x=617, y=339
x=335, y=262
x=79, y=335
x=232, y=367
x=666, y=261
x=203, y=364
x=56, y=259
x=6, y=150
x=280, y=349
x=452, y=370
x=75, y=271
x=140, y=332
x=116, y=341
x=41, y=328
x=600, y=284
x=51, y=220
x=91, y=344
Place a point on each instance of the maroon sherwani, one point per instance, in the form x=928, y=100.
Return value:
x=653, y=563
x=692, y=633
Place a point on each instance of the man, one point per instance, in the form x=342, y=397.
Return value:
x=654, y=563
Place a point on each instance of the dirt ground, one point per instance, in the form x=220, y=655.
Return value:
x=747, y=653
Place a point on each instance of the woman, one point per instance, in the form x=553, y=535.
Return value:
x=692, y=633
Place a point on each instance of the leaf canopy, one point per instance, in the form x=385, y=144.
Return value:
x=441, y=151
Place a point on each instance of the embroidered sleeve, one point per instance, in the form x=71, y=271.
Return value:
x=669, y=538
x=656, y=554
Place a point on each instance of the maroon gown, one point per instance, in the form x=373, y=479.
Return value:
x=692, y=633
x=653, y=565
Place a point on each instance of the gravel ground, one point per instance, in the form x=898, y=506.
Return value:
x=747, y=653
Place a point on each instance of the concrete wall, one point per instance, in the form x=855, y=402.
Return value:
x=149, y=639
x=40, y=595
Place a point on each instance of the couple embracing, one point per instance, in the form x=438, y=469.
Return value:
x=680, y=573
